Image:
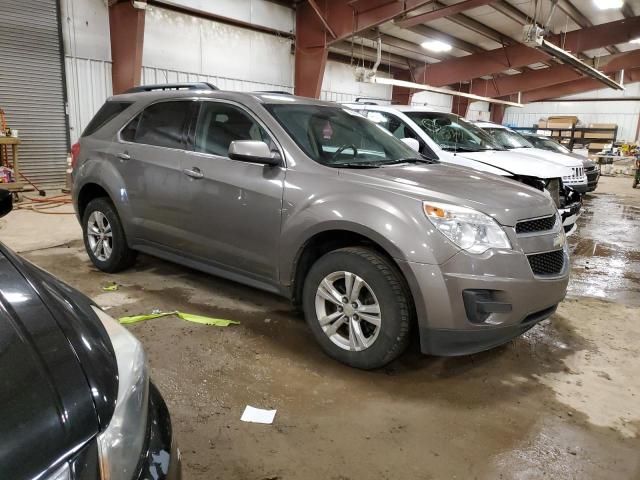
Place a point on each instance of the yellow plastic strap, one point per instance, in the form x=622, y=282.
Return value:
x=111, y=288
x=189, y=317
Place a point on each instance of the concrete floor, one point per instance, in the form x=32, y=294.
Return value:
x=563, y=401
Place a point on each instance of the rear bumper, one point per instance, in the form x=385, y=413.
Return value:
x=518, y=300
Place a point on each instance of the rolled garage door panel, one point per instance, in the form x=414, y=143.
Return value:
x=32, y=86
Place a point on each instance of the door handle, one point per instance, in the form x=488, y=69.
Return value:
x=123, y=156
x=193, y=173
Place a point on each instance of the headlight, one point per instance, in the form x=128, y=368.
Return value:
x=120, y=445
x=469, y=229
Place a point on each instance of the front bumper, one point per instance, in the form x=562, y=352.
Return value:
x=570, y=214
x=160, y=459
x=519, y=299
x=592, y=179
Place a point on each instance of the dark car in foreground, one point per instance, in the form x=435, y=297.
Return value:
x=75, y=394
x=546, y=143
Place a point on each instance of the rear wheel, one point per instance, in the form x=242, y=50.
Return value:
x=104, y=237
x=358, y=307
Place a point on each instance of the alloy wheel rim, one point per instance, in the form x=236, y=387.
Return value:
x=100, y=236
x=348, y=311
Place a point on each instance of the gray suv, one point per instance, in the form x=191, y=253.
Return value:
x=312, y=201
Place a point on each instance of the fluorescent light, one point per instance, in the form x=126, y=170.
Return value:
x=608, y=4
x=436, y=46
x=429, y=88
x=635, y=40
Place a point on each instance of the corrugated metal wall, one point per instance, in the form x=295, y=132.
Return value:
x=623, y=113
x=89, y=85
x=152, y=75
x=32, y=86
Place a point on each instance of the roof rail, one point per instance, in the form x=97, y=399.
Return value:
x=173, y=86
x=274, y=92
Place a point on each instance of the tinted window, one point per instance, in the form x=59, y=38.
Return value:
x=219, y=124
x=108, y=111
x=161, y=124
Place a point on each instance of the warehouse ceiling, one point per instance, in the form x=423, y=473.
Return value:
x=459, y=33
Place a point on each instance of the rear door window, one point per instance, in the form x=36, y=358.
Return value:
x=107, y=112
x=161, y=124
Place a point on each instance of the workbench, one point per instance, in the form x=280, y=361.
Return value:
x=13, y=142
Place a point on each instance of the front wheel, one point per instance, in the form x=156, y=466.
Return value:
x=104, y=237
x=358, y=307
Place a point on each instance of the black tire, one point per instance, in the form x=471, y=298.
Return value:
x=121, y=256
x=394, y=299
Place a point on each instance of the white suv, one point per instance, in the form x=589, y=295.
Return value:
x=515, y=142
x=452, y=139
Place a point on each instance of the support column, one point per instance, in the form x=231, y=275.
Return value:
x=126, y=26
x=496, y=112
x=402, y=95
x=460, y=105
x=311, y=52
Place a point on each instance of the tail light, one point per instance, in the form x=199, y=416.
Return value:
x=75, y=153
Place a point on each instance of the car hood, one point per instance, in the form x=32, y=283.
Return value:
x=505, y=200
x=554, y=157
x=518, y=164
x=47, y=401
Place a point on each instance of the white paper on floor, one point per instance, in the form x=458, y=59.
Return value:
x=258, y=415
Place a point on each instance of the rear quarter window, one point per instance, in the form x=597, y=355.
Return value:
x=107, y=112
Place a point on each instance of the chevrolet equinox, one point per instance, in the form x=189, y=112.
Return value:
x=310, y=200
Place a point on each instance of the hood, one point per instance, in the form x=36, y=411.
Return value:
x=518, y=164
x=506, y=200
x=554, y=157
x=48, y=406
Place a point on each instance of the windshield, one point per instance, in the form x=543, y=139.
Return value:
x=338, y=137
x=508, y=138
x=453, y=133
x=548, y=144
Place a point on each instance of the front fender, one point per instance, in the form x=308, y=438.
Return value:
x=395, y=222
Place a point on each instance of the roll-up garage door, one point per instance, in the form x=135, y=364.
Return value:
x=32, y=86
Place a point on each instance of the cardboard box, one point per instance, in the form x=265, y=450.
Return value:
x=603, y=125
x=556, y=124
x=598, y=146
x=542, y=124
x=570, y=119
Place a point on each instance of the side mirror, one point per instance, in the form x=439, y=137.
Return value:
x=6, y=202
x=412, y=143
x=253, y=151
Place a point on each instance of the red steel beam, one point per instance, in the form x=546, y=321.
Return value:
x=442, y=12
x=322, y=23
x=570, y=88
x=547, y=77
x=514, y=56
x=126, y=26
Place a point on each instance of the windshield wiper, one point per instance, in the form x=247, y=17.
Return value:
x=410, y=160
x=353, y=165
x=463, y=149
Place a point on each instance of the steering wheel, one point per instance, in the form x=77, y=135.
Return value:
x=342, y=149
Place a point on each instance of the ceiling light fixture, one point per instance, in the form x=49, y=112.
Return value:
x=635, y=40
x=608, y=4
x=436, y=46
x=429, y=88
x=534, y=38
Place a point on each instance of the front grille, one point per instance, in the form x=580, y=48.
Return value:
x=590, y=169
x=549, y=263
x=577, y=175
x=536, y=225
